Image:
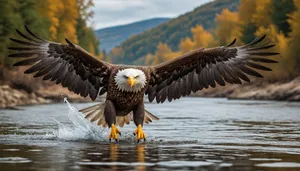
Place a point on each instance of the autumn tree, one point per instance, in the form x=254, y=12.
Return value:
x=201, y=37
x=262, y=13
x=245, y=11
x=161, y=54
x=149, y=59
x=294, y=50
x=68, y=21
x=281, y=70
x=186, y=45
x=85, y=34
x=50, y=19
x=51, y=10
x=228, y=27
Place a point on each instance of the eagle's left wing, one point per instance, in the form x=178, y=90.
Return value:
x=67, y=64
x=202, y=68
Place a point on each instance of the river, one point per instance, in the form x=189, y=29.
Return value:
x=192, y=134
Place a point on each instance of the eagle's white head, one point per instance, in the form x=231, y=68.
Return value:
x=130, y=80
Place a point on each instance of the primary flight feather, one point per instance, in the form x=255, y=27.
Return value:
x=125, y=85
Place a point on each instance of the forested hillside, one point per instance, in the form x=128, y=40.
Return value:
x=113, y=36
x=54, y=20
x=171, y=32
x=254, y=18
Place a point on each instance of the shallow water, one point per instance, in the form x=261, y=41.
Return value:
x=192, y=134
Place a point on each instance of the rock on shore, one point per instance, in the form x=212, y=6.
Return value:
x=283, y=91
x=10, y=97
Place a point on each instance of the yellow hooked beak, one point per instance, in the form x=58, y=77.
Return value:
x=131, y=81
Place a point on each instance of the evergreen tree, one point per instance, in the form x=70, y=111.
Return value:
x=282, y=9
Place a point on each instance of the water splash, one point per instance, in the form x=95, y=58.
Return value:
x=80, y=128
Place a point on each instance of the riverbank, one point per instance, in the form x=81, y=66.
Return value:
x=260, y=90
x=10, y=97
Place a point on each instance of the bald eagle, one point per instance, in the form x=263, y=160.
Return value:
x=73, y=67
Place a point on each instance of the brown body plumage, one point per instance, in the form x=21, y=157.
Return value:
x=76, y=69
x=124, y=101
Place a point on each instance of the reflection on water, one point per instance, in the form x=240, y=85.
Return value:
x=140, y=150
x=211, y=134
x=143, y=157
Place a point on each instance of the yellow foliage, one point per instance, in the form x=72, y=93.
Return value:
x=91, y=48
x=67, y=26
x=51, y=9
x=100, y=56
x=228, y=27
x=162, y=50
x=253, y=17
x=246, y=9
x=162, y=54
x=172, y=55
x=149, y=59
x=62, y=15
x=201, y=37
x=280, y=70
x=186, y=45
x=273, y=35
x=262, y=15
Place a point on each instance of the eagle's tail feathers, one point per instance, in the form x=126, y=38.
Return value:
x=96, y=113
x=88, y=108
x=150, y=115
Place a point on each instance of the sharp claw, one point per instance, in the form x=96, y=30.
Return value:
x=109, y=140
x=139, y=133
x=114, y=133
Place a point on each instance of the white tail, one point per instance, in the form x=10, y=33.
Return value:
x=96, y=113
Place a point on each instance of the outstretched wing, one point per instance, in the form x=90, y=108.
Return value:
x=67, y=64
x=202, y=68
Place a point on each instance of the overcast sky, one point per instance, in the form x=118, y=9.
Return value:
x=116, y=12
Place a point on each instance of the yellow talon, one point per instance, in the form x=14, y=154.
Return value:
x=139, y=133
x=114, y=133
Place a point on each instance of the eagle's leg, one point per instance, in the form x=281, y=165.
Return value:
x=110, y=118
x=138, y=118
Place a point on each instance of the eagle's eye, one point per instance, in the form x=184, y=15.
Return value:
x=124, y=76
x=137, y=76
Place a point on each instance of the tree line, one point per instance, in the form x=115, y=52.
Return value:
x=53, y=20
x=279, y=19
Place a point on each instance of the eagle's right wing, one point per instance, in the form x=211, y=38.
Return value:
x=206, y=67
x=67, y=64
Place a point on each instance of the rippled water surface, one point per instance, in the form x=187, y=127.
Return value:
x=192, y=134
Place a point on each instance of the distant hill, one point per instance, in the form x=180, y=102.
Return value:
x=173, y=31
x=113, y=36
